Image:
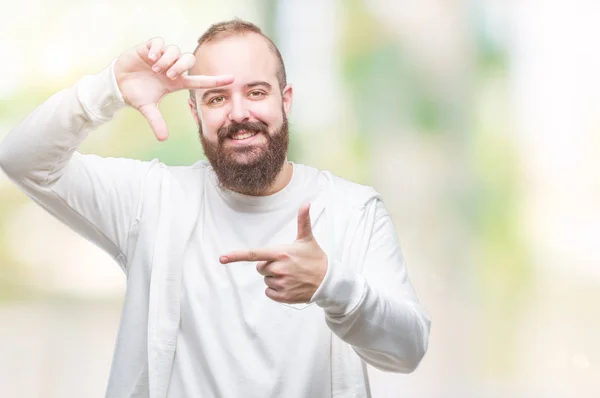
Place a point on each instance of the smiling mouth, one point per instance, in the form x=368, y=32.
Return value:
x=242, y=135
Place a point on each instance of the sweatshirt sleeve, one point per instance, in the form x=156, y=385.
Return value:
x=377, y=311
x=97, y=197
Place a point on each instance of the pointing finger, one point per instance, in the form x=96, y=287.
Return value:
x=251, y=255
x=200, y=81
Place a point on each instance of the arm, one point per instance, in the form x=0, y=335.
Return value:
x=377, y=312
x=97, y=197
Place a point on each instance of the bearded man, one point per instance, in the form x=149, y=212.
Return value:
x=248, y=275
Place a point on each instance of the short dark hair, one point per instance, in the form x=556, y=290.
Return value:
x=238, y=27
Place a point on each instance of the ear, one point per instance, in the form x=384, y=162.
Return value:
x=194, y=111
x=287, y=96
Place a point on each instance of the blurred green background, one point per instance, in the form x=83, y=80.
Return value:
x=477, y=120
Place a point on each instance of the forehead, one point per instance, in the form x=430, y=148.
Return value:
x=246, y=57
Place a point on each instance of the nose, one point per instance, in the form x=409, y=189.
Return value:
x=239, y=111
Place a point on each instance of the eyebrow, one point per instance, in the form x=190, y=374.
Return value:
x=253, y=84
x=258, y=83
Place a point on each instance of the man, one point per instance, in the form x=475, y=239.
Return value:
x=247, y=275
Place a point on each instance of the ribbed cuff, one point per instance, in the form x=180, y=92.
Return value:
x=99, y=94
x=340, y=292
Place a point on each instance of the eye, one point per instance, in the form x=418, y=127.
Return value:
x=256, y=94
x=217, y=100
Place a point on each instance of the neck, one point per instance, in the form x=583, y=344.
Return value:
x=281, y=181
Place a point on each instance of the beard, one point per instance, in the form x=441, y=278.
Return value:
x=248, y=169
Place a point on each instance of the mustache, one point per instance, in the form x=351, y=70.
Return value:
x=234, y=128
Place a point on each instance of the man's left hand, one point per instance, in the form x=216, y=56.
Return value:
x=292, y=272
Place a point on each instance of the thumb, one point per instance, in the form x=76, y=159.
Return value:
x=304, y=227
x=156, y=121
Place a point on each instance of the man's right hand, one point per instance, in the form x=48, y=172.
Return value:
x=149, y=71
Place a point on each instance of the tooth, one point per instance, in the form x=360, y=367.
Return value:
x=243, y=136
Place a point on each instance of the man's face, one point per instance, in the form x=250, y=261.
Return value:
x=243, y=126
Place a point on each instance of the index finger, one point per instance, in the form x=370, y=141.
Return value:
x=200, y=81
x=250, y=255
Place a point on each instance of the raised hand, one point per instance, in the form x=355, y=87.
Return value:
x=292, y=272
x=149, y=71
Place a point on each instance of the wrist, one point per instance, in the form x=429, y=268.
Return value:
x=340, y=292
x=99, y=95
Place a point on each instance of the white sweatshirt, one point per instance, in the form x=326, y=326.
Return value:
x=233, y=341
x=191, y=326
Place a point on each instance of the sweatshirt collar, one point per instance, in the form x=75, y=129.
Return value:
x=252, y=203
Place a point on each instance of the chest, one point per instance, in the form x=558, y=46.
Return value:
x=231, y=297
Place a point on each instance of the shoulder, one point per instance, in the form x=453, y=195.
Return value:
x=344, y=192
x=183, y=180
x=196, y=171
